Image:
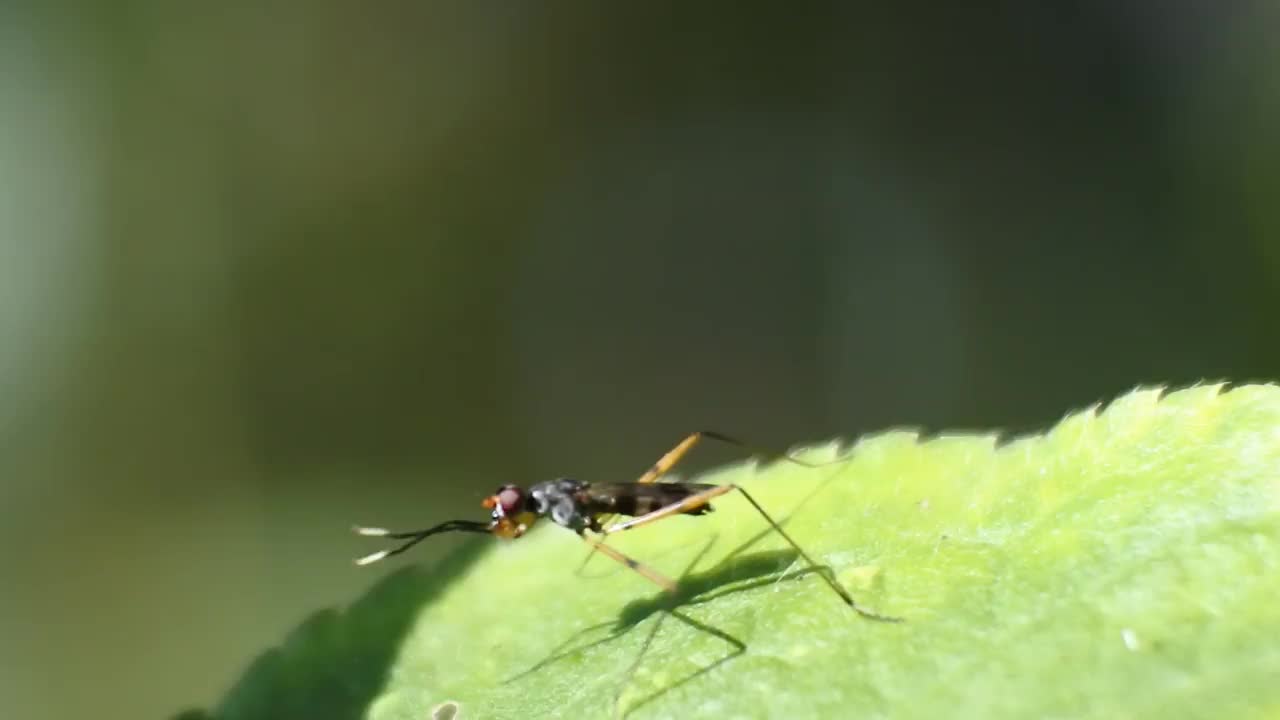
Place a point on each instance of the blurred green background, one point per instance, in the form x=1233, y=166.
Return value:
x=268, y=269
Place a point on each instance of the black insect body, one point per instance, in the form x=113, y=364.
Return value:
x=578, y=505
x=584, y=508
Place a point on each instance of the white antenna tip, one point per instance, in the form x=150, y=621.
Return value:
x=370, y=531
x=372, y=558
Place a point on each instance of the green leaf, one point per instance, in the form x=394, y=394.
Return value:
x=1124, y=565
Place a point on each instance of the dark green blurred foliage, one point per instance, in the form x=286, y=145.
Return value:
x=333, y=664
x=270, y=269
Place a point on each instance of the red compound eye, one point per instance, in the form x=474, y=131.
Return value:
x=511, y=498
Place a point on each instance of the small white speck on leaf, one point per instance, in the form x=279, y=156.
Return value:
x=1130, y=639
x=862, y=577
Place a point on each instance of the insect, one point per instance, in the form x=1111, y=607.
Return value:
x=590, y=509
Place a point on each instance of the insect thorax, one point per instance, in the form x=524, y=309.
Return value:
x=558, y=499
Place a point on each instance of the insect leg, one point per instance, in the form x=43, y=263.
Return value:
x=677, y=453
x=695, y=501
x=649, y=573
x=665, y=463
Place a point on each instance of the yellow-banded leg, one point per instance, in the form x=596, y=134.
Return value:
x=649, y=573
x=677, y=453
x=693, y=502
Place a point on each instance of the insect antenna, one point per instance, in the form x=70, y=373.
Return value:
x=413, y=537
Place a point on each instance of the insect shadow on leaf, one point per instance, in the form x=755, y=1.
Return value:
x=735, y=573
x=665, y=605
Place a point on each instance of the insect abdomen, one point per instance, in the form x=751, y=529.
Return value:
x=635, y=499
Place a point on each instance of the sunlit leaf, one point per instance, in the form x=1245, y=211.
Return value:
x=1124, y=564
